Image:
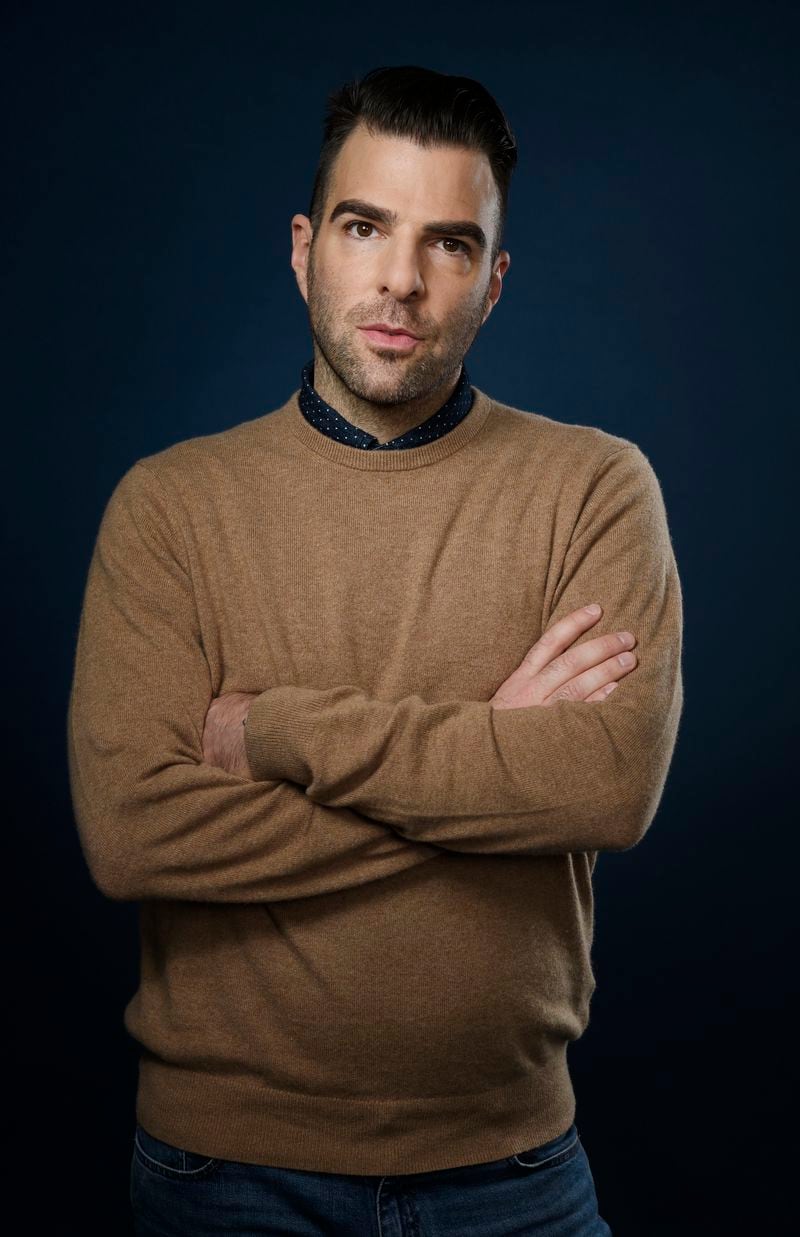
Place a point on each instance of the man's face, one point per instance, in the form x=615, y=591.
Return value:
x=360, y=270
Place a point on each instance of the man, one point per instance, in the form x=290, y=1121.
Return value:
x=366, y=914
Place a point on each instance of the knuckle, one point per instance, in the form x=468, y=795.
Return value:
x=550, y=671
x=556, y=666
x=568, y=691
x=547, y=639
x=567, y=660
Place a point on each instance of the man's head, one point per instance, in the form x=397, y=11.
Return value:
x=404, y=228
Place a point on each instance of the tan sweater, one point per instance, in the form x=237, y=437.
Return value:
x=372, y=958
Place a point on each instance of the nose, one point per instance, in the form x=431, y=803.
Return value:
x=399, y=274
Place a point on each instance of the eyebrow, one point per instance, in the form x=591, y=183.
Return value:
x=379, y=214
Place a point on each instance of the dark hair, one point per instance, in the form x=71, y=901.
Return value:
x=433, y=109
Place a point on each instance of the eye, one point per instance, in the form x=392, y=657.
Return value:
x=452, y=240
x=361, y=223
x=447, y=240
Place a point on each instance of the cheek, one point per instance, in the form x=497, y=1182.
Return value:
x=341, y=280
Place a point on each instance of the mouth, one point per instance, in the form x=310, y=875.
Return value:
x=394, y=338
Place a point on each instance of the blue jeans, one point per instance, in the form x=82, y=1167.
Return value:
x=547, y=1191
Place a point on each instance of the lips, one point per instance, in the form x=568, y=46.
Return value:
x=394, y=341
x=385, y=328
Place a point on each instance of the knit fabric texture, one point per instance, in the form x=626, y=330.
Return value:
x=371, y=956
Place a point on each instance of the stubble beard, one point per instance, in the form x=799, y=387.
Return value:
x=387, y=377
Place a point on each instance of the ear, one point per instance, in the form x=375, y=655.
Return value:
x=302, y=234
x=501, y=265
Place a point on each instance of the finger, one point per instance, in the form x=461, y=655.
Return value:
x=586, y=657
x=602, y=693
x=557, y=638
x=582, y=686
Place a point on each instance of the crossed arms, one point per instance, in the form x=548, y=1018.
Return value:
x=347, y=788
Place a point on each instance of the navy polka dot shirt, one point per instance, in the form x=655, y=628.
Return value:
x=332, y=423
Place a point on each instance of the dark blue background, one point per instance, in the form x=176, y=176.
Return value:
x=155, y=158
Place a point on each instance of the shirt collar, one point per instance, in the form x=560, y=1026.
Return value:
x=326, y=419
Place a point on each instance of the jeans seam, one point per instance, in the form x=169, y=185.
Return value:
x=168, y=1168
x=548, y=1158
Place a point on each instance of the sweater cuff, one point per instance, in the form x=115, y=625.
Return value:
x=276, y=733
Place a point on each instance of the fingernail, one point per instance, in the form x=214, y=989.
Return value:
x=593, y=608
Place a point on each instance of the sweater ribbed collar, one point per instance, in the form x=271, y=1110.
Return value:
x=326, y=431
x=325, y=418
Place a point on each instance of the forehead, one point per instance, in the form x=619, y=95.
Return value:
x=419, y=183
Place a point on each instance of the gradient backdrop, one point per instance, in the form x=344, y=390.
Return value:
x=155, y=157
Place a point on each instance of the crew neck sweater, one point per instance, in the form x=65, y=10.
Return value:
x=371, y=956
x=330, y=421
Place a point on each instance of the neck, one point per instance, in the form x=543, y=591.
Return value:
x=383, y=421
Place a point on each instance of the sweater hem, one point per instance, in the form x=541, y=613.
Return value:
x=243, y=1119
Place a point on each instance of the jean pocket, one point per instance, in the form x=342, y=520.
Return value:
x=170, y=1161
x=557, y=1151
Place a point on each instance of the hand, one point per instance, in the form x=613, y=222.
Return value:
x=547, y=673
x=223, y=732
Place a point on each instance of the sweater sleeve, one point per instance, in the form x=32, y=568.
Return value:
x=572, y=776
x=154, y=820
